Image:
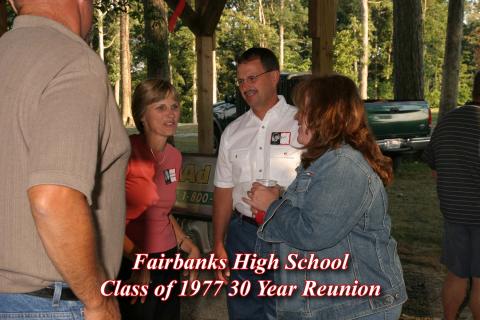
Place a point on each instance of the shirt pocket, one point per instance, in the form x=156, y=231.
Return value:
x=283, y=162
x=240, y=165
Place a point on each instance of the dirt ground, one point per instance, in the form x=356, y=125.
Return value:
x=424, y=278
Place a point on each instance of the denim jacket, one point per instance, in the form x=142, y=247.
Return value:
x=337, y=205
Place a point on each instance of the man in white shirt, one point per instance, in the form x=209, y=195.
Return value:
x=261, y=144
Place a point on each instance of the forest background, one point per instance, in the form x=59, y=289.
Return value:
x=281, y=25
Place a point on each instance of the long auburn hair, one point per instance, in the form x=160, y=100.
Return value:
x=334, y=113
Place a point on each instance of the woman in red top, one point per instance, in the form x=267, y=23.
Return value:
x=152, y=176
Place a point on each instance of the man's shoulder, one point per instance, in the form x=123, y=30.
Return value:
x=465, y=109
x=286, y=111
x=69, y=51
x=286, y=105
x=240, y=122
x=460, y=116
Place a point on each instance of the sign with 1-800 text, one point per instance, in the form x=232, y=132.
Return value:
x=195, y=188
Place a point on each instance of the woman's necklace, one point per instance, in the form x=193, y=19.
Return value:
x=155, y=157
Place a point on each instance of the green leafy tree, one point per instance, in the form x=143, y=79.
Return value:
x=239, y=30
x=347, y=46
x=380, y=83
x=182, y=46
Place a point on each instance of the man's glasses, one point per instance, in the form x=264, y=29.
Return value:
x=250, y=79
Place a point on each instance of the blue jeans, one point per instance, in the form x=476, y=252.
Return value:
x=389, y=314
x=241, y=238
x=24, y=306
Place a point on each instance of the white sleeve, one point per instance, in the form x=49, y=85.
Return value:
x=223, y=168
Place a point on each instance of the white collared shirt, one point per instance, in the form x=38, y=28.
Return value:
x=252, y=149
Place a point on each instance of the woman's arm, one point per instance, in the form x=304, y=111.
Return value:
x=336, y=199
x=185, y=244
x=129, y=249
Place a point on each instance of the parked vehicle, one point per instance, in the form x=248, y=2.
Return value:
x=400, y=127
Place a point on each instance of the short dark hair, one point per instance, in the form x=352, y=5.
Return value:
x=146, y=93
x=476, y=88
x=267, y=58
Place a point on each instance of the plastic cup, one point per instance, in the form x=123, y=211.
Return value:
x=267, y=182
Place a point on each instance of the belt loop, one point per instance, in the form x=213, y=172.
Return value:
x=57, y=294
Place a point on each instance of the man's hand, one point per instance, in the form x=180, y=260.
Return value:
x=222, y=212
x=107, y=310
x=221, y=253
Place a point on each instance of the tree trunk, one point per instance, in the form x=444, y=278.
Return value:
x=451, y=60
x=101, y=34
x=116, y=90
x=125, y=62
x=156, y=39
x=194, y=89
x=281, y=32
x=364, y=60
x=261, y=18
x=407, y=50
x=3, y=17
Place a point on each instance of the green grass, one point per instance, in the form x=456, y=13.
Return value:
x=416, y=217
x=417, y=227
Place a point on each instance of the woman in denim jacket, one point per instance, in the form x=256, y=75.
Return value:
x=335, y=208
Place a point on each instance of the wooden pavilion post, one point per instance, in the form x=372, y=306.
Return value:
x=202, y=22
x=205, y=86
x=322, y=16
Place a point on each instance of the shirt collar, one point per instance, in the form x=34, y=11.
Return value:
x=29, y=21
x=276, y=111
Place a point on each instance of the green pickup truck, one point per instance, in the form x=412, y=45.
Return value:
x=399, y=126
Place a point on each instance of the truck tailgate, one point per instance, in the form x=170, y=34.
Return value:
x=392, y=119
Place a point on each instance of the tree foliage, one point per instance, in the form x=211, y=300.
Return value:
x=244, y=25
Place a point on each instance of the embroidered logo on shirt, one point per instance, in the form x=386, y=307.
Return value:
x=170, y=176
x=280, y=138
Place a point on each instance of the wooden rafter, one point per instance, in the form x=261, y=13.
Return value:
x=212, y=15
x=189, y=17
x=203, y=22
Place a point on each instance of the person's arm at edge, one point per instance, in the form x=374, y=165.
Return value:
x=185, y=244
x=65, y=224
x=222, y=212
x=130, y=249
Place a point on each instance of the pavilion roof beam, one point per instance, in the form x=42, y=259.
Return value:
x=211, y=16
x=201, y=22
x=189, y=17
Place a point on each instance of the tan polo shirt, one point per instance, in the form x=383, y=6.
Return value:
x=59, y=125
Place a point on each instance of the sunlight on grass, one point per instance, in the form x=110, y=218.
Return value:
x=417, y=227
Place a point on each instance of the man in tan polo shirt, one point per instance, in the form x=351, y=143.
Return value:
x=62, y=167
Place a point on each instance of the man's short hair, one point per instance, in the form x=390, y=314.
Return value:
x=267, y=58
x=476, y=88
